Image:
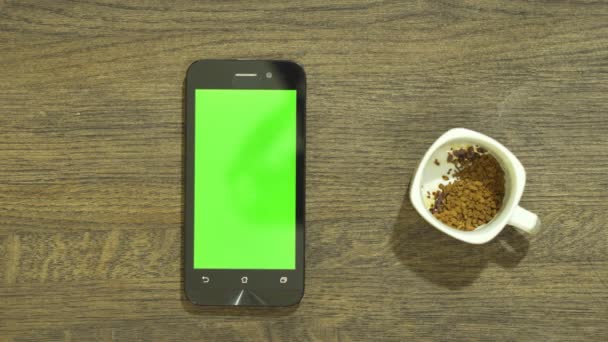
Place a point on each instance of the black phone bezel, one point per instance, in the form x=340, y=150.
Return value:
x=226, y=287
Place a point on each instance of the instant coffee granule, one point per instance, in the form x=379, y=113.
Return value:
x=475, y=195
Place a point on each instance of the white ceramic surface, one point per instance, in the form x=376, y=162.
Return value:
x=428, y=176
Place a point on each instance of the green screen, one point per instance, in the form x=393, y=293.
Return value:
x=244, y=179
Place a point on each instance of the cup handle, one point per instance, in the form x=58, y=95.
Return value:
x=524, y=220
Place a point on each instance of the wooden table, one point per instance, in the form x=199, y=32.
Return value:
x=91, y=153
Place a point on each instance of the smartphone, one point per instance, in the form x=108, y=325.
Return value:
x=244, y=183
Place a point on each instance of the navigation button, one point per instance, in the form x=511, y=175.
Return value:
x=244, y=280
x=205, y=279
x=283, y=280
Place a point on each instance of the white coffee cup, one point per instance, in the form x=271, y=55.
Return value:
x=428, y=177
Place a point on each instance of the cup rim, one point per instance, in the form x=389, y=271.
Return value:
x=490, y=230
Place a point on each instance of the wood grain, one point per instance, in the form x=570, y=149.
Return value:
x=91, y=116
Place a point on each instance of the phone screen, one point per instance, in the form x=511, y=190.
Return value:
x=245, y=179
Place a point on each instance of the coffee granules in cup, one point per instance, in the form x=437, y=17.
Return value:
x=475, y=195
